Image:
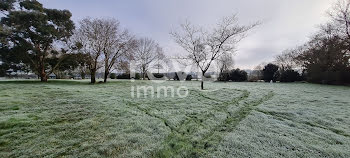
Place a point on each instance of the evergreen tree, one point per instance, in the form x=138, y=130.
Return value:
x=32, y=31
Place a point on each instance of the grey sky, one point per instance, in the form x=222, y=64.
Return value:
x=286, y=23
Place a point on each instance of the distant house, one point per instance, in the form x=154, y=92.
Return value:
x=77, y=77
x=9, y=71
x=52, y=76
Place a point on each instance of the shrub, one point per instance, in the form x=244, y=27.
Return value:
x=290, y=76
x=269, y=73
x=238, y=75
x=123, y=76
x=235, y=75
x=127, y=76
x=137, y=76
x=224, y=76
x=189, y=78
x=113, y=76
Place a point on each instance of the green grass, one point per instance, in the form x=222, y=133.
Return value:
x=76, y=119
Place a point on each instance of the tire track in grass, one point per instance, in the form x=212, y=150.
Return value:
x=176, y=136
x=198, y=147
x=280, y=116
x=232, y=121
x=180, y=141
x=165, y=122
x=221, y=107
x=182, y=145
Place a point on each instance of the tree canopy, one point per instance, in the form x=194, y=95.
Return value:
x=32, y=33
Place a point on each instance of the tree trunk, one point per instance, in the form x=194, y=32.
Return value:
x=144, y=74
x=202, y=82
x=93, y=76
x=43, y=77
x=202, y=85
x=105, y=77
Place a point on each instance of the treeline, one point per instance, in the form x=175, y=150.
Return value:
x=325, y=58
x=235, y=75
x=274, y=73
x=270, y=72
x=45, y=41
x=155, y=76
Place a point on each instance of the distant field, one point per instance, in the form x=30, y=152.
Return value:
x=76, y=119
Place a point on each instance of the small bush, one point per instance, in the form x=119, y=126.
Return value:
x=235, y=75
x=238, y=75
x=269, y=72
x=127, y=76
x=290, y=76
x=224, y=76
x=113, y=76
x=123, y=76
x=189, y=78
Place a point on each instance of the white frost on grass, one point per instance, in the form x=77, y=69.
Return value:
x=76, y=119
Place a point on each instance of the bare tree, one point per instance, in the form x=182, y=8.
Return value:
x=225, y=62
x=89, y=39
x=205, y=47
x=145, y=53
x=117, y=43
x=340, y=15
x=160, y=60
x=123, y=65
x=257, y=73
x=102, y=39
x=286, y=61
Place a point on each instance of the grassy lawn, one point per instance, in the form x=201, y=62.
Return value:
x=76, y=119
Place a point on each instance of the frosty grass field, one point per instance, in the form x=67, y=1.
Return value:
x=76, y=119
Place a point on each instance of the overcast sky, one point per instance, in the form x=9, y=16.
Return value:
x=286, y=23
